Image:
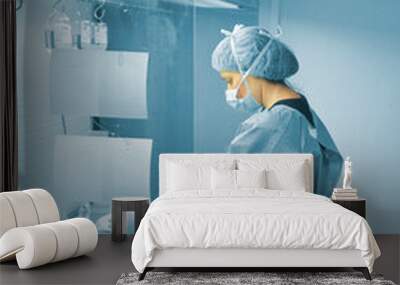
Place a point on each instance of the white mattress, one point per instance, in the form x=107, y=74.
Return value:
x=250, y=219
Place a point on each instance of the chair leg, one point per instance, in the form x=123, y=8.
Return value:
x=364, y=271
x=143, y=274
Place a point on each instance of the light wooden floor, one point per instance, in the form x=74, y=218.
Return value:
x=110, y=260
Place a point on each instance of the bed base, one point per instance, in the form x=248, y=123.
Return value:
x=363, y=270
x=251, y=259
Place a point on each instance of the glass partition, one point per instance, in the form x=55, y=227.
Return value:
x=105, y=86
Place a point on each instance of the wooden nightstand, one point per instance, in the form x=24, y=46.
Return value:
x=358, y=206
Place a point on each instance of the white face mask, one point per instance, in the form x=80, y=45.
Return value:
x=248, y=103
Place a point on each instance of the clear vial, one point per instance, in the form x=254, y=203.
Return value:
x=86, y=25
x=48, y=32
x=62, y=31
x=86, y=39
x=76, y=29
x=101, y=35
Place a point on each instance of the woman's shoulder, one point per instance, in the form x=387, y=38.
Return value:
x=279, y=117
x=279, y=114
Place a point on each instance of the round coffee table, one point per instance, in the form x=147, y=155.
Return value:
x=139, y=205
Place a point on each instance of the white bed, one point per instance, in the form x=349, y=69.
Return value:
x=248, y=227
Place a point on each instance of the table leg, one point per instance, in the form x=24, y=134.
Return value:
x=138, y=217
x=116, y=216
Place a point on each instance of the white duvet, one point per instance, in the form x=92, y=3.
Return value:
x=250, y=218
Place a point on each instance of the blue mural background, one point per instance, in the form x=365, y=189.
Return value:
x=184, y=113
x=168, y=37
x=349, y=68
x=177, y=118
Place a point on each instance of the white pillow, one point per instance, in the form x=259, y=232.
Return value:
x=183, y=177
x=237, y=179
x=223, y=179
x=288, y=179
x=251, y=178
x=281, y=174
x=188, y=175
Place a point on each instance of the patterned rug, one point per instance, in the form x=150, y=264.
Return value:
x=244, y=278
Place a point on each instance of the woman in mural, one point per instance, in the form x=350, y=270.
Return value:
x=255, y=66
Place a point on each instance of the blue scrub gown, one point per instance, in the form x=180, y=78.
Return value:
x=283, y=129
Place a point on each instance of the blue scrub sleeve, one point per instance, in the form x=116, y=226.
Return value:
x=250, y=141
x=281, y=133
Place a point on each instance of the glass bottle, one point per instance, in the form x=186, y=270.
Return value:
x=76, y=28
x=48, y=32
x=86, y=34
x=86, y=26
x=101, y=36
x=62, y=30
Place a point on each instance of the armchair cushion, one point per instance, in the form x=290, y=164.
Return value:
x=40, y=244
x=31, y=232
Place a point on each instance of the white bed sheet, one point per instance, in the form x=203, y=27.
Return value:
x=250, y=218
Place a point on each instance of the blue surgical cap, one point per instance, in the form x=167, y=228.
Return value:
x=277, y=63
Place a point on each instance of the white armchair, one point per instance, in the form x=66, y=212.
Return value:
x=31, y=230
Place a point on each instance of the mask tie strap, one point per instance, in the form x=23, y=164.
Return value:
x=243, y=74
x=256, y=61
x=235, y=55
x=231, y=36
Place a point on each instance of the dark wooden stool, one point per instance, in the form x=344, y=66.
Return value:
x=139, y=205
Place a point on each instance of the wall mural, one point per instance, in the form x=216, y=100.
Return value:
x=105, y=87
x=120, y=79
x=255, y=65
